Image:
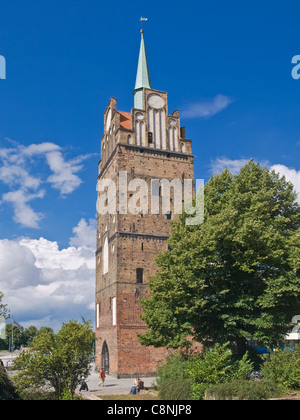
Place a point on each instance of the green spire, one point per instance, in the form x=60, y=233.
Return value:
x=142, y=77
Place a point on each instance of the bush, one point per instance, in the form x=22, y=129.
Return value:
x=66, y=395
x=7, y=390
x=283, y=367
x=175, y=390
x=215, y=366
x=244, y=390
x=173, y=382
x=38, y=395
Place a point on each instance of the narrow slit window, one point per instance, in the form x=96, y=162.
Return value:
x=140, y=275
x=150, y=138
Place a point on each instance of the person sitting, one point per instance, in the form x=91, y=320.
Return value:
x=134, y=387
x=140, y=385
x=84, y=386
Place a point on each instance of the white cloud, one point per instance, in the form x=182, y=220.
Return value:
x=12, y=175
x=85, y=234
x=291, y=175
x=48, y=255
x=64, y=176
x=234, y=166
x=17, y=266
x=23, y=213
x=44, y=285
x=208, y=108
x=40, y=149
x=16, y=166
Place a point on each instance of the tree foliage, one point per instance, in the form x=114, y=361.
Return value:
x=57, y=361
x=23, y=338
x=236, y=276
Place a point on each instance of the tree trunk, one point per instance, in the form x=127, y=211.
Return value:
x=241, y=347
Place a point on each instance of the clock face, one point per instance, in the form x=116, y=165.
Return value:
x=108, y=120
x=156, y=101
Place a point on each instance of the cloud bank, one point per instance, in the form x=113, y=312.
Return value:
x=44, y=285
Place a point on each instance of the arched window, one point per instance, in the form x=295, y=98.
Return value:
x=140, y=275
x=105, y=257
x=105, y=358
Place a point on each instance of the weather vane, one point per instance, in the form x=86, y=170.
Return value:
x=143, y=20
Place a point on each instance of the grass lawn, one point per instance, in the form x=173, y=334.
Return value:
x=129, y=397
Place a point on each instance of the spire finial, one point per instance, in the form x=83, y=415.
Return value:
x=143, y=20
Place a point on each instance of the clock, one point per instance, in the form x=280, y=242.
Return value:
x=156, y=101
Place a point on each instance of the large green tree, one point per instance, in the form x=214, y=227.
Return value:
x=236, y=276
x=57, y=361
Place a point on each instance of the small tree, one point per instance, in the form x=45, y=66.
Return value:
x=57, y=361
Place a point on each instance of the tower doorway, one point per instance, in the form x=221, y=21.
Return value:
x=105, y=358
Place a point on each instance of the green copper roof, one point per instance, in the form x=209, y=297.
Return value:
x=143, y=76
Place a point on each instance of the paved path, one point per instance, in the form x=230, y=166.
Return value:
x=112, y=386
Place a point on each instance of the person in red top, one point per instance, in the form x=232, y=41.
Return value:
x=102, y=377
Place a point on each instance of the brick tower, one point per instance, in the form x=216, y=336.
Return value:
x=146, y=143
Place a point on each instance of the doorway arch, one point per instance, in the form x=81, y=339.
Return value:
x=105, y=358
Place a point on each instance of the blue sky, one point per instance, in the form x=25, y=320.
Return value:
x=227, y=68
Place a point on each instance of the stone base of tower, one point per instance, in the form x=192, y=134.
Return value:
x=128, y=358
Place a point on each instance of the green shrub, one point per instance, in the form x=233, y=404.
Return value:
x=38, y=395
x=245, y=390
x=283, y=367
x=175, y=390
x=173, y=382
x=215, y=366
x=7, y=390
x=67, y=395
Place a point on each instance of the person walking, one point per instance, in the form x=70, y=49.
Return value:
x=102, y=377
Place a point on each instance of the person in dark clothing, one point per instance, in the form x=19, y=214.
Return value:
x=84, y=386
